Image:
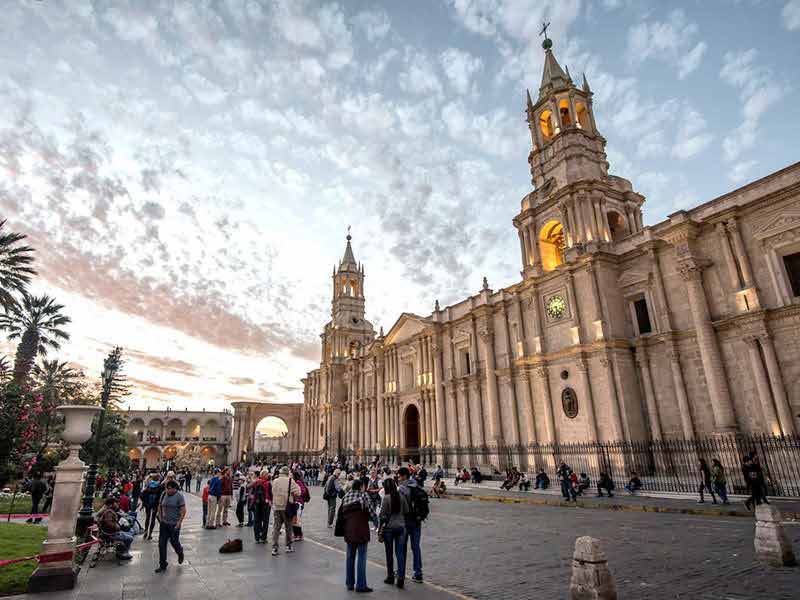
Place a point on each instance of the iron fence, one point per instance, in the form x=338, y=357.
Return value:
x=664, y=466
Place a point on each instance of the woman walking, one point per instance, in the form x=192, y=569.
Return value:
x=305, y=496
x=705, y=481
x=394, y=508
x=356, y=513
x=718, y=480
x=151, y=494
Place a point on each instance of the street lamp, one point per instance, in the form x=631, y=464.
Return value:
x=111, y=366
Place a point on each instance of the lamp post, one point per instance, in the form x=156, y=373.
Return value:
x=59, y=572
x=111, y=366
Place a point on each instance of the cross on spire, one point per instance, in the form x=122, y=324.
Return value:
x=547, y=43
x=348, y=233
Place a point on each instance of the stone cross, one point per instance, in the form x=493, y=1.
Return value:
x=591, y=579
x=772, y=545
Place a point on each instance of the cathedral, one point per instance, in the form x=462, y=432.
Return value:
x=616, y=331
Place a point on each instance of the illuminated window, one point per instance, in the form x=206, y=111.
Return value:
x=582, y=116
x=551, y=245
x=616, y=225
x=563, y=110
x=546, y=124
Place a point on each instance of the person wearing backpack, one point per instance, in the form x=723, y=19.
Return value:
x=330, y=492
x=418, y=510
x=259, y=501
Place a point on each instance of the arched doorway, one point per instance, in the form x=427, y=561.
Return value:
x=271, y=437
x=411, y=429
x=152, y=456
x=135, y=454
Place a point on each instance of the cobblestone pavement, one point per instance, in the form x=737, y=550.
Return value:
x=496, y=551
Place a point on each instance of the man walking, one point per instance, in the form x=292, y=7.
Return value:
x=171, y=512
x=284, y=491
x=37, y=490
x=259, y=495
x=418, y=510
x=332, y=491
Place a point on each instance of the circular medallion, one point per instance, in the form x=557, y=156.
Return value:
x=569, y=402
x=556, y=307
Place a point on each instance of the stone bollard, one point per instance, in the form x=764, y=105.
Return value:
x=591, y=579
x=772, y=545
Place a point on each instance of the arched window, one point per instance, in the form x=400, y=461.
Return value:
x=616, y=225
x=551, y=245
x=563, y=110
x=582, y=116
x=546, y=124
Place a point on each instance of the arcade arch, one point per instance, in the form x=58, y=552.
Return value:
x=248, y=416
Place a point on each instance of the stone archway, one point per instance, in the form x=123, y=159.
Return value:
x=152, y=456
x=411, y=432
x=247, y=416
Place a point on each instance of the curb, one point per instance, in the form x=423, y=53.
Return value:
x=705, y=512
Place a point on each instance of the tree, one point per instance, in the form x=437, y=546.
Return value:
x=58, y=384
x=112, y=447
x=5, y=370
x=190, y=457
x=15, y=267
x=38, y=325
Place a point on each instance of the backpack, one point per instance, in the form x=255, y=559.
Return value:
x=418, y=508
x=259, y=495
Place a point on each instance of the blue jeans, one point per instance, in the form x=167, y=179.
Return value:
x=356, y=570
x=413, y=533
x=567, y=490
x=722, y=491
x=124, y=538
x=395, y=539
x=167, y=532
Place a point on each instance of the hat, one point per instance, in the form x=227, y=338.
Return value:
x=284, y=471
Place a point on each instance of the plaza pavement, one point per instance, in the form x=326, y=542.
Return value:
x=313, y=572
x=493, y=550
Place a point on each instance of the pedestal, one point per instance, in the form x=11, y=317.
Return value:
x=61, y=574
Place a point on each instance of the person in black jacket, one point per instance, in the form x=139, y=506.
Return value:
x=357, y=512
x=37, y=489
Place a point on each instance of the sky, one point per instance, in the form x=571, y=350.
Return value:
x=187, y=171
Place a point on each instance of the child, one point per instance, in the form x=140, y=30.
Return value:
x=205, y=503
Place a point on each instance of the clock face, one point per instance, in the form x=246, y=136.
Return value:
x=556, y=307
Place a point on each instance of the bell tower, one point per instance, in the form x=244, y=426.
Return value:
x=348, y=331
x=566, y=145
x=576, y=206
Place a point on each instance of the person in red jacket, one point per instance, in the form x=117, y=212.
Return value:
x=205, y=503
x=297, y=526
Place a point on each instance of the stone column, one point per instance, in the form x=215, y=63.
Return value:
x=616, y=411
x=778, y=389
x=476, y=405
x=487, y=348
x=680, y=392
x=771, y=544
x=543, y=377
x=527, y=409
x=353, y=414
x=439, y=395
x=741, y=253
x=523, y=245
x=730, y=262
x=536, y=259
x=591, y=419
x=718, y=392
x=507, y=384
x=649, y=393
x=452, y=414
x=762, y=385
x=379, y=388
x=591, y=577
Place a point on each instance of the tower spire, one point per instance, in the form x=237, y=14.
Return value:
x=585, y=86
x=348, y=261
x=553, y=76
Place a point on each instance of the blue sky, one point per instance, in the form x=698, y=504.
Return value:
x=187, y=170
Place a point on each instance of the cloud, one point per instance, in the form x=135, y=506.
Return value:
x=157, y=390
x=419, y=76
x=668, y=41
x=162, y=363
x=242, y=380
x=460, y=68
x=374, y=23
x=758, y=90
x=741, y=170
x=692, y=136
x=791, y=15
x=477, y=16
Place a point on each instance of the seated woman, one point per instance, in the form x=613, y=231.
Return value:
x=634, y=484
x=461, y=477
x=476, y=475
x=524, y=483
x=542, y=480
x=583, y=483
x=439, y=488
x=508, y=482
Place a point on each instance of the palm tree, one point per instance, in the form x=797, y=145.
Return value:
x=5, y=370
x=37, y=323
x=15, y=269
x=56, y=381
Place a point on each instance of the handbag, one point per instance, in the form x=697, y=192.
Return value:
x=291, y=507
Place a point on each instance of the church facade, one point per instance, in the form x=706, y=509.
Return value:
x=684, y=329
